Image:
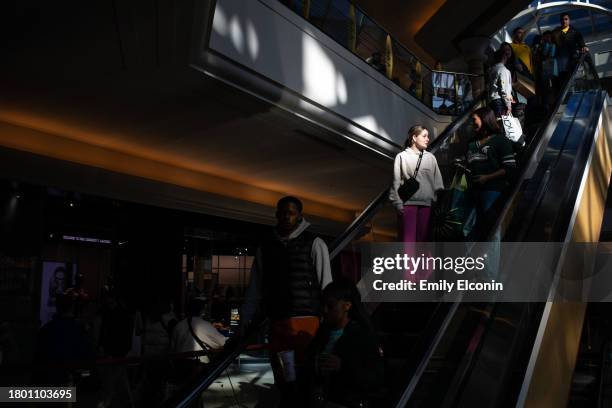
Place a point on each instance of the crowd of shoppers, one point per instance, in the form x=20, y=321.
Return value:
x=491, y=154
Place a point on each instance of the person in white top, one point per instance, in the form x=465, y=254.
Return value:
x=204, y=334
x=414, y=213
x=500, y=85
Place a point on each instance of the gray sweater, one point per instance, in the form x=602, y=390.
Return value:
x=429, y=178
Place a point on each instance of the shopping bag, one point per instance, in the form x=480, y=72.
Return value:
x=512, y=127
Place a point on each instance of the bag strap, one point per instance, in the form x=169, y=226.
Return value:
x=195, y=336
x=416, y=171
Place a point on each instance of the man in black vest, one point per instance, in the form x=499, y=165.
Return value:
x=289, y=272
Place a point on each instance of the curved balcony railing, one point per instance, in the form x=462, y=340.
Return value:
x=446, y=93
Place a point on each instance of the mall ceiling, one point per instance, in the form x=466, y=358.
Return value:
x=133, y=109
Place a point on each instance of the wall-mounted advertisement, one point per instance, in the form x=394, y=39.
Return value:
x=56, y=278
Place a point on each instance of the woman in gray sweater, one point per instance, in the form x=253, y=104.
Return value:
x=414, y=213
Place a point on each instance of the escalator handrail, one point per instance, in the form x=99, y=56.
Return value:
x=184, y=397
x=375, y=205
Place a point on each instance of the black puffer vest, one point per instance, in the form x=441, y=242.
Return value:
x=290, y=283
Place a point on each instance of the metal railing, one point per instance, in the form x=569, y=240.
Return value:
x=446, y=93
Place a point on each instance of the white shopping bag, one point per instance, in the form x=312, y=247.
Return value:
x=512, y=127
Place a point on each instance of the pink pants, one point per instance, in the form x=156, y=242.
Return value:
x=413, y=227
x=414, y=223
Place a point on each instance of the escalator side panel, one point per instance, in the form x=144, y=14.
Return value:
x=549, y=373
x=552, y=373
x=587, y=229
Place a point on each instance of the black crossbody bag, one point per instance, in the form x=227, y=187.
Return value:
x=410, y=185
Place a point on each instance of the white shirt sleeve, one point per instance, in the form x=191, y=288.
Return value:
x=320, y=258
x=208, y=334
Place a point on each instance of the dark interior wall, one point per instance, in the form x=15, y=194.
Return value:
x=20, y=244
x=83, y=39
x=457, y=20
x=148, y=265
x=88, y=45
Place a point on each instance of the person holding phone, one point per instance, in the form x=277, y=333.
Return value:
x=490, y=159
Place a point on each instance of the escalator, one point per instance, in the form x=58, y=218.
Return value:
x=455, y=347
x=521, y=353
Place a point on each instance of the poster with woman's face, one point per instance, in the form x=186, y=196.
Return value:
x=56, y=278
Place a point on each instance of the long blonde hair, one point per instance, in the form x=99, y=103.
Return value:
x=413, y=131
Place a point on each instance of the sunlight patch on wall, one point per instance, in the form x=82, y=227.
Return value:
x=220, y=22
x=252, y=40
x=236, y=34
x=322, y=82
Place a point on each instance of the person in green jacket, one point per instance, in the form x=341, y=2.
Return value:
x=490, y=160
